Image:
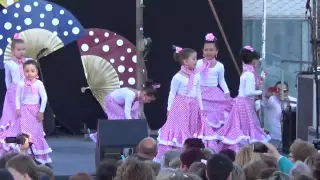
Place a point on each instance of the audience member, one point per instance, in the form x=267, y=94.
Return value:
x=165, y=173
x=155, y=166
x=253, y=169
x=300, y=168
x=237, y=173
x=22, y=167
x=219, y=167
x=202, y=173
x=267, y=173
x=179, y=176
x=133, y=169
x=280, y=176
x=4, y=159
x=175, y=164
x=193, y=143
x=230, y=153
x=303, y=177
x=190, y=156
x=5, y=175
x=106, y=170
x=81, y=176
x=246, y=155
x=170, y=156
x=196, y=167
x=46, y=170
x=300, y=150
x=147, y=149
x=207, y=153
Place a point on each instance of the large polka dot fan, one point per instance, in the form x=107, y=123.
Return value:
x=109, y=62
x=42, y=24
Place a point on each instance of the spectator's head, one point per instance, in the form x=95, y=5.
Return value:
x=202, y=174
x=193, y=143
x=219, y=167
x=106, y=170
x=237, y=173
x=196, y=166
x=303, y=177
x=5, y=175
x=316, y=170
x=4, y=159
x=283, y=87
x=46, y=170
x=280, y=176
x=207, y=153
x=267, y=173
x=179, y=176
x=310, y=162
x=155, y=166
x=230, y=153
x=246, y=155
x=300, y=150
x=190, y=156
x=170, y=156
x=147, y=148
x=175, y=164
x=300, y=168
x=22, y=167
x=270, y=161
x=133, y=169
x=253, y=169
x=81, y=176
x=165, y=173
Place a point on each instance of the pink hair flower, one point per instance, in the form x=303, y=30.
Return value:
x=178, y=49
x=210, y=37
x=17, y=36
x=249, y=48
x=156, y=86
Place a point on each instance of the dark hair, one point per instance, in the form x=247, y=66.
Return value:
x=190, y=156
x=194, y=143
x=279, y=82
x=267, y=173
x=248, y=56
x=219, y=167
x=14, y=42
x=215, y=42
x=183, y=54
x=24, y=165
x=230, y=153
x=148, y=88
x=31, y=62
x=81, y=176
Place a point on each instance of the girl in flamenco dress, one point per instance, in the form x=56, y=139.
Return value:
x=13, y=74
x=184, y=105
x=29, y=115
x=216, y=102
x=124, y=103
x=242, y=126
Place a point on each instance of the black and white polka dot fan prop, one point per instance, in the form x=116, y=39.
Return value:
x=109, y=61
x=41, y=24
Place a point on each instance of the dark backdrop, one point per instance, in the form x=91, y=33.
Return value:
x=185, y=23
x=63, y=72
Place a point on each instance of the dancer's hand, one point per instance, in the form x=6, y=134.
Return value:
x=227, y=95
x=40, y=116
x=18, y=113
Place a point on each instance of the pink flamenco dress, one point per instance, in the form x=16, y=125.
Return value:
x=215, y=103
x=184, y=112
x=28, y=97
x=121, y=104
x=242, y=127
x=13, y=74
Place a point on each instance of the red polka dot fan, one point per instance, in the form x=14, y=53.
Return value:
x=109, y=62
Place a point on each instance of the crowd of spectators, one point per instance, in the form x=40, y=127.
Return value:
x=192, y=162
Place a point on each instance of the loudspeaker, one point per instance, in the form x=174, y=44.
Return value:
x=114, y=135
x=306, y=107
x=289, y=130
x=49, y=124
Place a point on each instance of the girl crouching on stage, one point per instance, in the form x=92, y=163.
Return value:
x=29, y=114
x=242, y=127
x=184, y=104
x=124, y=103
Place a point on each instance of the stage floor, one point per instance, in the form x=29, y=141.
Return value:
x=72, y=154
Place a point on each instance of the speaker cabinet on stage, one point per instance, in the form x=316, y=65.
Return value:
x=114, y=135
x=306, y=107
